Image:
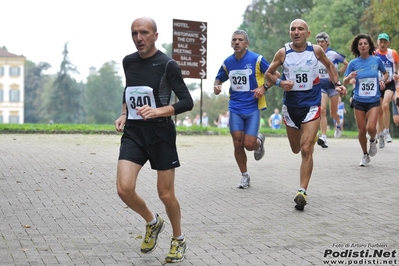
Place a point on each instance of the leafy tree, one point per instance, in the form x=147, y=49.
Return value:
x=34, y=82
x=267, y=23
x=213, y=105
x=167, y=48
x=385, y=14
x=64, y=102
x=341, y=29
x=193, y=86
x=103, y=95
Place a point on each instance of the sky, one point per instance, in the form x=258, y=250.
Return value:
x=98, y=31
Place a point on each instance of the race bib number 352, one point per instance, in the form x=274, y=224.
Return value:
x=367, y=87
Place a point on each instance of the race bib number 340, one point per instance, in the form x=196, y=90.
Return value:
x=138, y=96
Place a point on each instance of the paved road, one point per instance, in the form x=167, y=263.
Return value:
x=59, y=204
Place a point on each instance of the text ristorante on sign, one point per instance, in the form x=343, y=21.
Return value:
x=189, y=48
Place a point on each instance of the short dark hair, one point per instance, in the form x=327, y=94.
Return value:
x=355, y=43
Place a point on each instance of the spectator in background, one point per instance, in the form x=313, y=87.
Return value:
x=275, y=119
x=187, y=122
x=341, y=112
x=205, y=122
x=223, y=121
x=197, y=120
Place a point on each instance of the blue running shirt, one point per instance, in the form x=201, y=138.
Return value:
x=367, y=88
x=245, y=75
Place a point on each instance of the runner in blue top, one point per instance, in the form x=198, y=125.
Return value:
x=275, y=119
x=245, y=71
x=363, y=72
x=341, y=112
x=328, y=89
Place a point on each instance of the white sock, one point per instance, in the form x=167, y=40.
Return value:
x=302, y=189
x=181, y=237
x=153, y=221
x=245, y=174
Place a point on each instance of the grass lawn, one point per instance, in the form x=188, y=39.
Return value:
x=110, y=129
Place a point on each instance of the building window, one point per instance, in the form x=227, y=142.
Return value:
x=15, y=71
x=14, y=95
x=1, y=119
x=1, y=71
x=13, y=119
x=1, y=95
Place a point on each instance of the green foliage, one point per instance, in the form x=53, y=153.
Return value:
x=34, y=82
x=167, y=48
x=386, y=16
x=61, y=99
x=110, y=129
x=193, y=86
x=341, y=29
x=64, y=101
x=212, y=104
x=104, y=95
x=267, y=23
x=57, y=128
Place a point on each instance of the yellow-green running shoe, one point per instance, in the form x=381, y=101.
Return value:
x=300, y=200
x=177, y=250
x=150, y=241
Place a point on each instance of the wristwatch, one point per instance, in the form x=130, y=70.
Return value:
x=338, y=84
x=265, y=87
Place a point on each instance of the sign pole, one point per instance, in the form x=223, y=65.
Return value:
x=201, y=105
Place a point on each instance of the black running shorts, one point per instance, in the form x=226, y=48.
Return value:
x=388, y=86
x=153, y=141
x=364, y=106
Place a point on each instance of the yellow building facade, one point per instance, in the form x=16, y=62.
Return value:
x=11, y=87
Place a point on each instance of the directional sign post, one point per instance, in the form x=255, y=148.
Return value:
x=189, y=47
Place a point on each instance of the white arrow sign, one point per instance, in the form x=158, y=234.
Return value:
x=203, y=61
x=202, y=50
x=203, y=27
x=203, y=38
x=203, y=73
